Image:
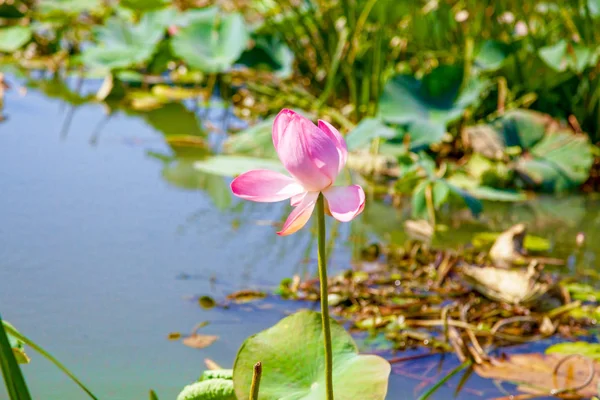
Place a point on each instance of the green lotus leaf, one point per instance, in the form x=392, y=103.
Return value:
x=425, y=107
x=292, y=357
x=212, y=44
x=122, y=45
x=560, y=161
x=550, y=158
x=367, y=130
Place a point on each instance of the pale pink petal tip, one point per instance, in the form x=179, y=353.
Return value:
x=280, y=124
x=309, y=154
x=345, y=203
x=262, y=185
x=336, y=136
x=300, y=215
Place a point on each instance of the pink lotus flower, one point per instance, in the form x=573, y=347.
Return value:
x=314, y=156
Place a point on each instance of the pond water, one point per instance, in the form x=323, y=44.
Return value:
x=108, y=236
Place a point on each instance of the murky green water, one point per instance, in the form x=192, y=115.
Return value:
x=107, y=239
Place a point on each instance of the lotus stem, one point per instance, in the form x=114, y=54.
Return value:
x=255, y=381
x=324, y=294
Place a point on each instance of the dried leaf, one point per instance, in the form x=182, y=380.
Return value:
x=511, y=286
x=534, y=373
x=198, y=341
x=508, y=248
x=419, y=230
x=246, y=296
x=484, y=140
x=211, y=365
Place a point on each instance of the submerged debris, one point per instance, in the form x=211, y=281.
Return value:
x=546, y=375
x=508, y=248
x=448, y=301
x=511, y=286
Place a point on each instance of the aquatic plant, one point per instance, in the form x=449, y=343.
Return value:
x=314, y=156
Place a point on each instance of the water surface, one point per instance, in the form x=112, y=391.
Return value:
x=108, y=236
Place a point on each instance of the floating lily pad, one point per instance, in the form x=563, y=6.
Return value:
x=583, y=292
x=140, y=100
x=292, y=356
x=207, y=302
x=13, y=38
x=586, y=312
x=213, y=43
x=175, y=93
x=591, y=350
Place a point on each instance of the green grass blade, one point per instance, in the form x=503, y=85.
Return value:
x=13, y=377
x=49, y=357
x=445, y=379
